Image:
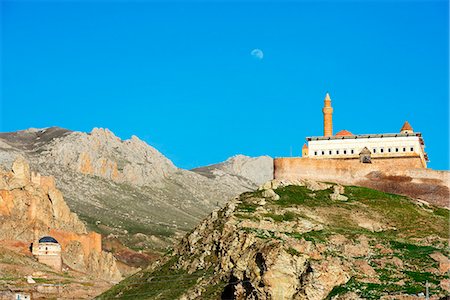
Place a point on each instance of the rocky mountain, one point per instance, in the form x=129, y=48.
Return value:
x=305, y=240
x=32, y=207
x=127, y=190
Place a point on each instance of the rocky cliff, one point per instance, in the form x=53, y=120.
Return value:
x=126, y=189
x=31, y=207
x=305, y=240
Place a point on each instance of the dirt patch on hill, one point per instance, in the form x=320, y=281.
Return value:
x=433, y=191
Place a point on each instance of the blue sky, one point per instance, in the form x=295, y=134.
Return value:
x=181, y=77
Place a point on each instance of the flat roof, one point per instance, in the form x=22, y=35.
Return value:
x=362, y=136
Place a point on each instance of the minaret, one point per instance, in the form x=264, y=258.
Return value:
x=327, y=116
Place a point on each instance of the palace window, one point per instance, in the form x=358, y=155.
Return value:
x=412, y=149
x=381, y=150
x=323, y=152
x=389, y=150
x=329, y=152
x=345, y=151
x=352, y=151
x=396, y=149
x=404, y=149
x=315, y=152
x=374, y=150
x=337, y=151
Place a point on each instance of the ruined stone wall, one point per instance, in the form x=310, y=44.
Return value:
x=90, y=242
x=53, y=261
x=402, y=175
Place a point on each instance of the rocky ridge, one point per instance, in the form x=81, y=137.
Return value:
x=128, y=190
x=31, y=206
x=305, y=240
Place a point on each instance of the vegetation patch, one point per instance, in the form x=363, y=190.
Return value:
x=422, y=277
x=288, y=216
x=166, y=282
x=299, y=195
x=247, y=207
x=293, y=252
x=315, y=236
x=375, y=290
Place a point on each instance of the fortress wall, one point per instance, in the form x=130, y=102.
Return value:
x=403, y=175
x=90, y=242
x=344, y=171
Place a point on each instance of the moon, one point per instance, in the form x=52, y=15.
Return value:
x=257, y=53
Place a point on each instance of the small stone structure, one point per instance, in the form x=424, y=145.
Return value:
x=48, y=251
x=364, y=156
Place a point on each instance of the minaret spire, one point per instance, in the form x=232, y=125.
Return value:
x=327, y=116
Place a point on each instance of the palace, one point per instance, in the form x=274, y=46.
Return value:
x=366, y=148
x=358, y=159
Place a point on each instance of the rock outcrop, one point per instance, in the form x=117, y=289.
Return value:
x=304, y=244
x=126, y=187
x=31, y=206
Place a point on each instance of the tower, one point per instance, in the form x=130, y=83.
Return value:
x=406, y=128
x=327, y=116
x=305, y=150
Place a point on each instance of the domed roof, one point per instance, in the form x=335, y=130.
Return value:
x=365, y=151
x=406, y=127
x=48, y=239
x=344, y=133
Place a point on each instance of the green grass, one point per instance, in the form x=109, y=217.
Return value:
x=293, y=195
x=442, y=212
x=415, y=255
x=422, y=277
x=246, y=207
x=287, y=216
x=293, y=252
x=247, y=217
x=164, y=283
x=375, y=290
x=409, y=218
x=213, y=291
x=409, y=224
x=315, y=236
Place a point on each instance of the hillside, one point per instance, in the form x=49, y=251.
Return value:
x=305, y=240
x=126, y=189
x=32, y=207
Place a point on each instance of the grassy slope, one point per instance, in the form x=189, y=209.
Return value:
x=415, y=233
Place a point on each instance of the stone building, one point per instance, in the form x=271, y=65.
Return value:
x=47, y=250
x=392, y=162
x=345, y=145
